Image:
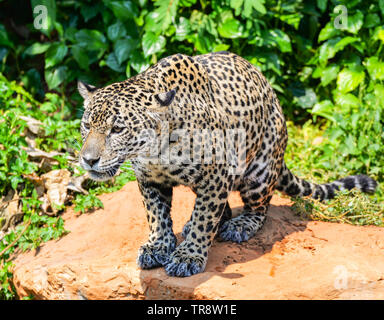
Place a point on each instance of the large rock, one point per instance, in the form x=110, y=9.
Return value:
x=289, y=259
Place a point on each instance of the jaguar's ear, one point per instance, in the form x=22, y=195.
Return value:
x=85, y=89
x=166, y=98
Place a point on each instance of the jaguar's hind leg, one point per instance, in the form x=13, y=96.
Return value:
x=243, y=227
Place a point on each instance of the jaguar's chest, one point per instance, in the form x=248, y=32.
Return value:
x=168, y=174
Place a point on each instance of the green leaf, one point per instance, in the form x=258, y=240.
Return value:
x=123, y=48
x=55, y=54
x=329, y=48
x=4, y=40
x=351, y=61
x=249, y=5
x=116, y=31
x=355, y=22
x=266, y=61
x=381, y=6
x=350, y=79
x=329, y=31
x=15, y=180
x=362, y=141
x=317, y=72
x=113, y=63
x=204, y=23
x=209, y=25
x=229, y=27
x=324, y=109
x=371, y=20
x=55, y=77
x=150, y=22
x=322, y=5
x=183, y=29
x=203, y=42
x=346, y=100
x=292, y=19
x=308, y=99
x=37, y=48
x=350, y=146
x=89, y=11
x=379, y=93
x=128, y=70
x=3, y=54
x=138, y=62
x=375, y=68
x=329, y=74
x=236, y=4
x=81, y=56
x=69, y=34
x=187, y=3
x=123, y=10
x=91, y=40
x=340, y=45
x=282, y=40
x=165, y=13
x=220, y=47
x=152, y=43
x=32, y=81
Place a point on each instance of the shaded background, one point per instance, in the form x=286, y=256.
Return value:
x=318, y=71
x=294, y=43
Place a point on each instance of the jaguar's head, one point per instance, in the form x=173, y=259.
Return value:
x=115, y=124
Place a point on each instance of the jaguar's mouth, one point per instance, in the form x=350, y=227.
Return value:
x=103, y=175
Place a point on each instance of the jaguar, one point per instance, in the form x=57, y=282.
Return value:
x=220, y=109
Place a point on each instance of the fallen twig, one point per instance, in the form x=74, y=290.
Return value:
x=17, y=238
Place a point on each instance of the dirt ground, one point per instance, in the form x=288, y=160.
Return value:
x=289, y=258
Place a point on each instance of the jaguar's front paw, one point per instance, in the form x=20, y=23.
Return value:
x=152, y=255
x=183, y=263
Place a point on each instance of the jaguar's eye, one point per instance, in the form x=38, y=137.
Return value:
x=117, y=129
x=86, y=125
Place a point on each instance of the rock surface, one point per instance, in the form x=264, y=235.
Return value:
x=289, y=259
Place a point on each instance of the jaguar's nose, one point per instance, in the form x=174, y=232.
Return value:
x=91, y=161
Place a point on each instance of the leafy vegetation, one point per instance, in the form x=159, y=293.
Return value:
x=15, y=167
x=348, y=207
x=325, y=64
x=323, y=164
x=294, y=43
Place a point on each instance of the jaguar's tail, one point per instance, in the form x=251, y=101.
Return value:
x=296, y=187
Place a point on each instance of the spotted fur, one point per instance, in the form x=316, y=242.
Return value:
x=218, y=91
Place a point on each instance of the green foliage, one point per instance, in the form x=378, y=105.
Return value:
x=90, y=201
x=107, y=41
x=350, y=66
x=348, y=207
x=15, y=166
x=35, y=230
x=87, y=202
x=322, y=164
x=294, y=43
x=15, y=102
